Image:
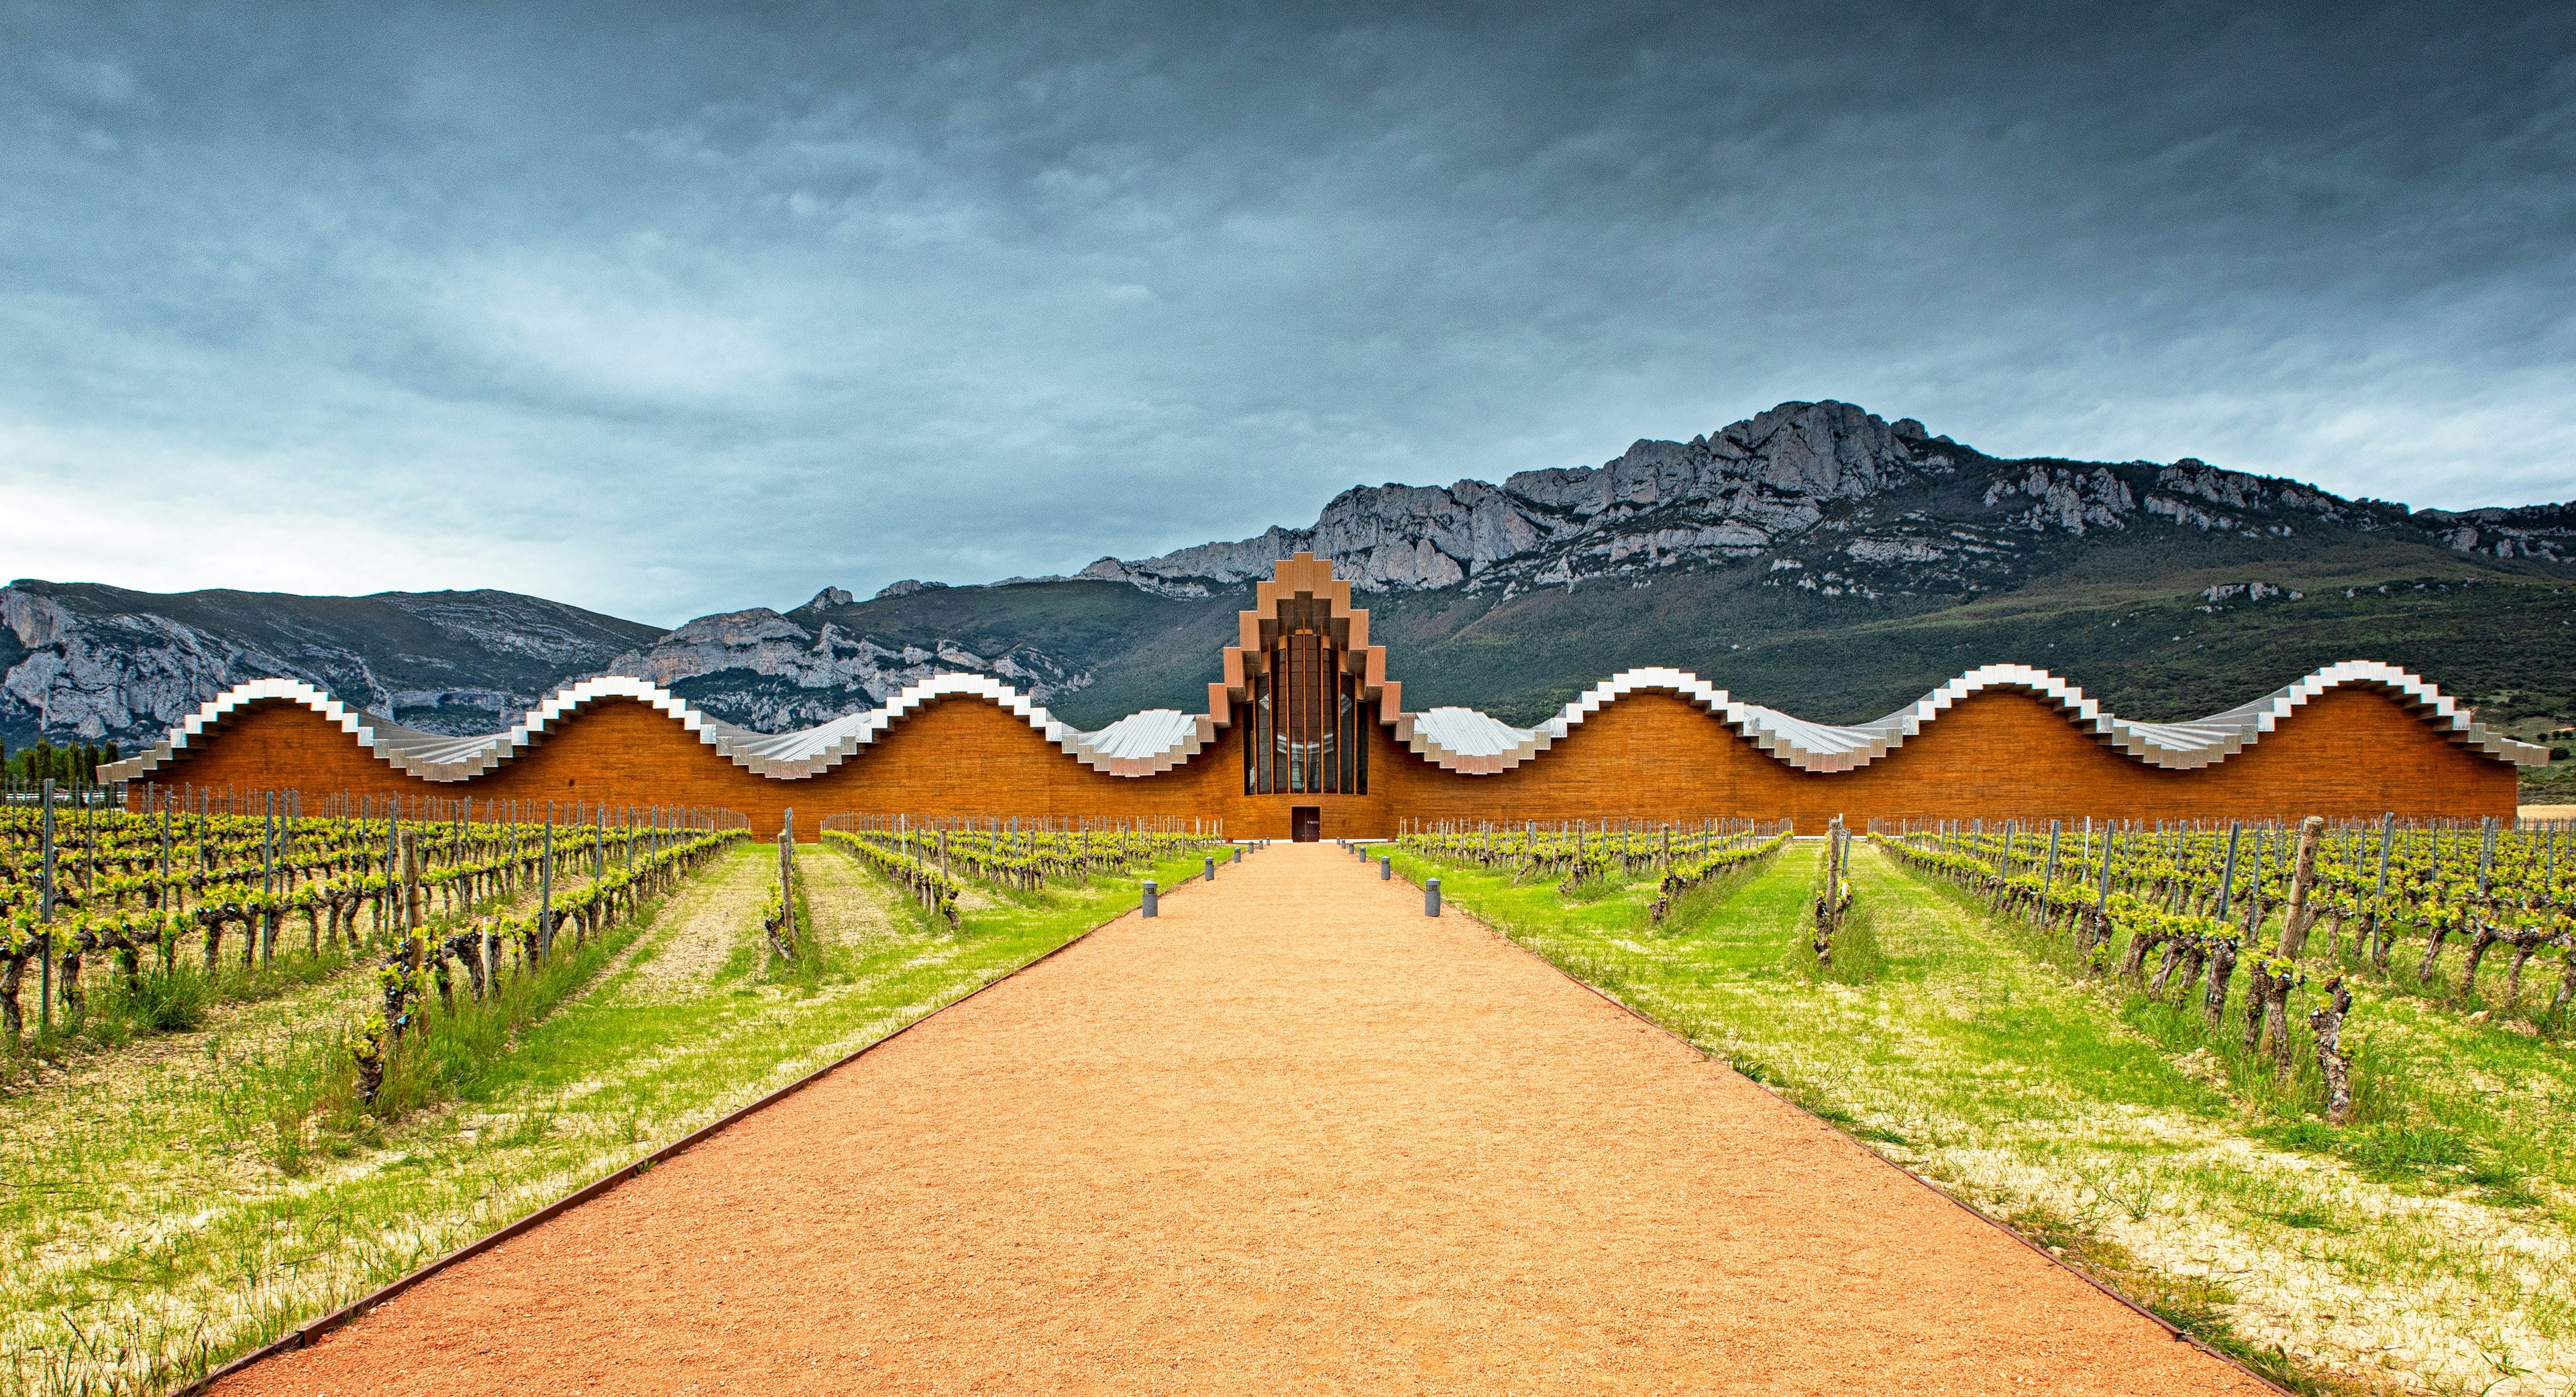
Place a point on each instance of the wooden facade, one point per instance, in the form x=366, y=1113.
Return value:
x=2352, y=751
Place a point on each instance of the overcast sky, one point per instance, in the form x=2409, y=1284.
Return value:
x=670, y=310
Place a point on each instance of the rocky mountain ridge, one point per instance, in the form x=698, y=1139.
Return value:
x=1761, y=538
x=771, y=673
x=2528, y=531
x=1858, y=503
x=82, y=662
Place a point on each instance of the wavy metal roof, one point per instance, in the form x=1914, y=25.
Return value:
x=1463, y=740
x=1141, y=744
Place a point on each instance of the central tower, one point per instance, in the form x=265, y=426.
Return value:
x=1303, y=684
x=1304, y=713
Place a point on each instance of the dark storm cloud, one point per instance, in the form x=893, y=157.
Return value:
x=668, y=309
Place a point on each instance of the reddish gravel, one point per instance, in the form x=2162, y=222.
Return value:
x=1291, y=1136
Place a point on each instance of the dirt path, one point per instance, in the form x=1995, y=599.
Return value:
x=1291, y=1136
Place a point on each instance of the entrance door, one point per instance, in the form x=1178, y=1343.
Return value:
x=1305, y=823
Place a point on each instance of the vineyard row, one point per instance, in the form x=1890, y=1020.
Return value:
x=77, y=885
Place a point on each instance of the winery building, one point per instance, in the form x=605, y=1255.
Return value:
x=1305, y=735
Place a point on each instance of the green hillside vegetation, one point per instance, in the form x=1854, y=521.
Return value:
x=2134, y=635
x=2128, y=620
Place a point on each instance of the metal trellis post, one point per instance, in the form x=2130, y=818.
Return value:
x=45, y=915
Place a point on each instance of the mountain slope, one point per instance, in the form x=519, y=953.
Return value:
x=1081, y=646
x=85, y=662
x=1815, y=557
x=1821, y=559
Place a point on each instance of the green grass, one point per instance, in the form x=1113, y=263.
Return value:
x=181, y=997
x=193, y=1198
x=162, y=1000
x=2429, y=1241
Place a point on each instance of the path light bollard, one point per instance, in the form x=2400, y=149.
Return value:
x=1238, y=853
x=1207, y=868
x=1431, y=897
x=1153, y=906
x=1385, y=867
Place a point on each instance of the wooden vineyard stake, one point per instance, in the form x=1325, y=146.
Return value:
x=45, y=916
x=409, y=842
x=268, y=879
x=546, y=889
x=2296, y=920
x=2099, y=930
x=1836, y=901
x=780, y=920
x=2048, y=875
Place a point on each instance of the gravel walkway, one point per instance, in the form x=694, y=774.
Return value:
x=1292, y=1136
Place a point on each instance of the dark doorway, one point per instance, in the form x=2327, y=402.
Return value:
x=1305, y=823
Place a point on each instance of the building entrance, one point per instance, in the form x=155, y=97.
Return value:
x=1305, y=823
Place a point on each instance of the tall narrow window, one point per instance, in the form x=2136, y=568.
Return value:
x=1307, y=772
x=1328, y=723
x=1301, y=738
x=1342, y=715
x=1305, y=738
x=1306, y=729
x=1362, y=730
x=1361, y=733
x=1279, y=690
x=1263, y=722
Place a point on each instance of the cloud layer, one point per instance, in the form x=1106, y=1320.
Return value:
x=662, y=311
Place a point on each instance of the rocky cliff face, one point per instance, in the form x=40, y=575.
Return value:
x=767, y=672
x=2546, y=531
x=87, y=663
x=1821, y=488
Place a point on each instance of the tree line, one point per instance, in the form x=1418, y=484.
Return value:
x=74, y=765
